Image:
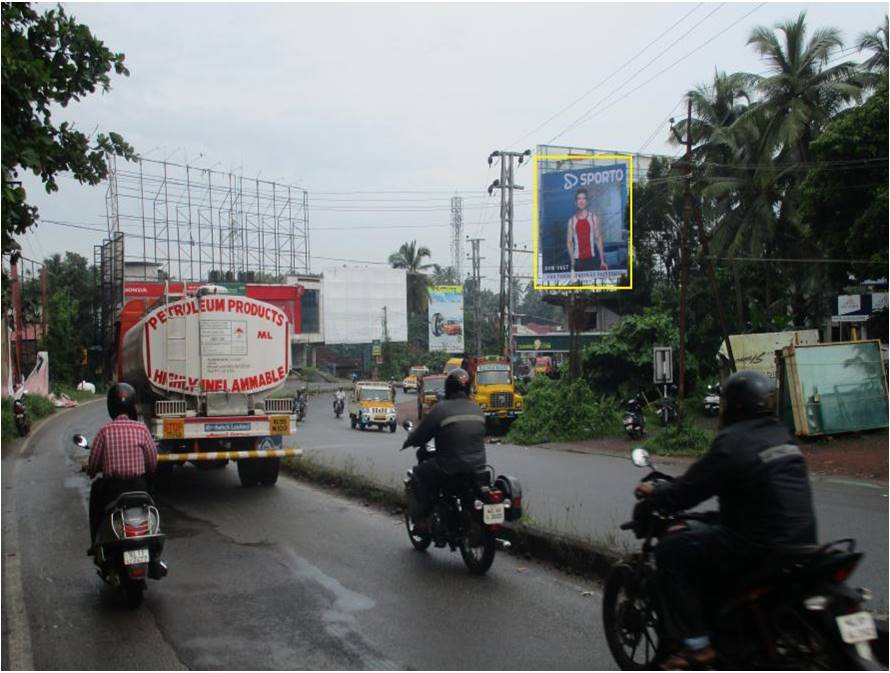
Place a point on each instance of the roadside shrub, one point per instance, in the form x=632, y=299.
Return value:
x=682, y=439
x=563, y=411
x=37, y=407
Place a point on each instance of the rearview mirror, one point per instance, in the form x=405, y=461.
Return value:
x=408, y=425
x=81, y=441
x=640, y=457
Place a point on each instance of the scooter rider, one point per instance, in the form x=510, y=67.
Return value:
x=123, y=451
x=766, y=509
x=458, y=426
x=339, y=396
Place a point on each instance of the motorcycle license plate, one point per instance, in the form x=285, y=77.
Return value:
x=135, y=556
x=492, y=514
x=858, y=627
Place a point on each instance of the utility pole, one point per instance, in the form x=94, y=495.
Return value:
x=684, y=258
x=505, y=300
x=477, y=285
x=457, y=238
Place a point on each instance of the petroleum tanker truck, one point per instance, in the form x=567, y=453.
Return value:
x=206, y=369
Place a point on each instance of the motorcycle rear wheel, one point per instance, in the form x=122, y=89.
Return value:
x=631, y=623
x=478, y=557
x=134, y=591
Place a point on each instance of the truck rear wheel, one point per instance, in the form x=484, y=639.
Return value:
x=249, y=472
x=269, y=471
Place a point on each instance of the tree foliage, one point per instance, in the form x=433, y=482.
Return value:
x=49, y=59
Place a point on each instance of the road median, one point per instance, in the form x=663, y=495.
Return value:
x=527, y=539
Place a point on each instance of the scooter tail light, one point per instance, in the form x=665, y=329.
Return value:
x=842, y=573
x=495, y=496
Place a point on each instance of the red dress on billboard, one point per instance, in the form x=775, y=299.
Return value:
x=582, y=235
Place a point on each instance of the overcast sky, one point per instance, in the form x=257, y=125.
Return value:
x=401, y=99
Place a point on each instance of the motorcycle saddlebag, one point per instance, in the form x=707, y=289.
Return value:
x=512, y=489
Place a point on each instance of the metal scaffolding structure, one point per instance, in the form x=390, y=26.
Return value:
x=457, y=236
x=201, y=224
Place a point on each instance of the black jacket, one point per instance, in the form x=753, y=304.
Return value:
x=760, y=479
x=459, y=428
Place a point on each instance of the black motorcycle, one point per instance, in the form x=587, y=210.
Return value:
x=667, y=408
x=20, y=412
x=712, y=400
x=128, y=544
x=798, y=614
x=339, y=404
x=634, y=421
x=469, y=513
x=301, y=405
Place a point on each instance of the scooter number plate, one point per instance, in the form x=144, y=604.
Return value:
x=858, y=627
x=135, y=557
x=492, y=514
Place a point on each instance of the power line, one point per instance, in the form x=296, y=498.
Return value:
x=592, y=112
x=610, y=76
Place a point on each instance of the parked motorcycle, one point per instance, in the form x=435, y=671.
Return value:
x=799, y=614
x=469, y=513
x=339, y=404
x=667, y=408
x=128, y=545
x=634, y=420
x=20, y=411
x=712, y=400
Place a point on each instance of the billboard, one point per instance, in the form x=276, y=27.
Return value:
x=356, y=300
x=583, y=229
x=446, y=318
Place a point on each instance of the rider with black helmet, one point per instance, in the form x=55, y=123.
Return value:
x=766, y=509
x=123, y=451
x=458, y=426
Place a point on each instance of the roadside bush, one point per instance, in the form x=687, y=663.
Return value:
x=682, y=439
x=564, y=411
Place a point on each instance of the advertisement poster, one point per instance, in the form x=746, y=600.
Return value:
x=584, y=230
x=446, y=312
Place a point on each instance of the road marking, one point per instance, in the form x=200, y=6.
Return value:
x=19, y=636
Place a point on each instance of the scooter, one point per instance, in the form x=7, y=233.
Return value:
x=128, y=545
x=634, y=421
x=338, y=406
x=20, y=411
x=712, y=400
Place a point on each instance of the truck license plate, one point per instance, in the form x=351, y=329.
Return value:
x=857, y=628
x=135, y=557
x=174, y=428
x=279, y=425
x=492, y=514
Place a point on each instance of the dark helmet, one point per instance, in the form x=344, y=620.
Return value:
x=747, y=395
x=122, y=400
x=457, y=381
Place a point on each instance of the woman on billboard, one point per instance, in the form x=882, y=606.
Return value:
x=584, y=237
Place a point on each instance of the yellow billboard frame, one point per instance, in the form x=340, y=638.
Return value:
x=536, y=214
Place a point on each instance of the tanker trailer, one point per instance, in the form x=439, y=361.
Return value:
x=206, y=369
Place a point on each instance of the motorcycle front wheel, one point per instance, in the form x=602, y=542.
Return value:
x=477, y=548
x=420, y=541
x=631, y=623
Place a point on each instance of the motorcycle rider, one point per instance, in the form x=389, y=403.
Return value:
x=123, y=451
x=766, y=509
x=458, y=426
x=339, y=396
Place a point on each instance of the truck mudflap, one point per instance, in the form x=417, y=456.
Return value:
x=227, y=455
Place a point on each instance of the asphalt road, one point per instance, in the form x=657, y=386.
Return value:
x=589, y=495
x=288, y=577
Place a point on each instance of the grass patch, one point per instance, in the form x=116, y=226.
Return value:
x=681, y=439
x=77, y=395
x=343, y=480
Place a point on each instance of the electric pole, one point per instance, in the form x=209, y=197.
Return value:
x=684, y=258
x=505, y=300
x=477, y=285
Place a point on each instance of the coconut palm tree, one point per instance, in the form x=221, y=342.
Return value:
x=875, y=42
x=410, y=257
x=801, y=91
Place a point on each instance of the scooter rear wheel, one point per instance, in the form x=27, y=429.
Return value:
x=134, y=591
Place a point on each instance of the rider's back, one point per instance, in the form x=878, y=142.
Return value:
x=460, y=434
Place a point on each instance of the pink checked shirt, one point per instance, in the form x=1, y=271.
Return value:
x=123, y=449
